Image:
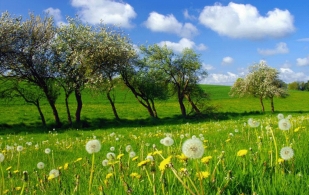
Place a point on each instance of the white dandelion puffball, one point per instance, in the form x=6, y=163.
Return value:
x=47, y=150
x=93, y=146
x=128, y=148
x=149, y=157
x=167, y=141
x=105, y=162
x=253, y=123
x=19, y=148
x=1, y=157
x=54, y=172
x=286, y=153
x=112, y=148
x=40, y=165
x=280, y=116
x=132, y=154
x=110, y=155
x=284, y=124
x=193, y=148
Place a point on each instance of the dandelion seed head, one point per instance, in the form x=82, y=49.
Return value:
x=1, y=157
x=40, y=165
x=284, y=124
x=129, y=148
x=112, y=148
x=286, y=153
x=110, y=156
x=105, y=162
x=132, y=154
x=253, y=123
x=280, y=116
x=193, y=148
x=168, y=141
x=93, y=146
x=47, y=150
x=19, y=148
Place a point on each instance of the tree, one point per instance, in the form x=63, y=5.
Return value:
x=25, y=53
x=261, y=82
x=183, y=71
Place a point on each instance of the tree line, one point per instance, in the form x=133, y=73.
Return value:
x=39, y=59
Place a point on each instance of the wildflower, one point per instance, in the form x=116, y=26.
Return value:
x=286, y=153
x=119, y=156
x=284, y=124
x=1, y=157
x=93, y=146
x=164, y=163
x=109, y=175
x=110, y=156
x=47, y=151
x=296, y=129
x=149, y=157
x=79, y=159
x=193, y=148
x=40, y=165
x=19, y=148
x=112, y=148
x=135, y=158
x=132, y=154
x=66, y=166
x=53, y=174
x=242, y=152
x=8, y=168
x=142, y=163
x=280, y=160
x=253, y=123
x=236, y=130
x=135, y=175
x=167, y=141
x=280, y=116
x=202, y=174
x=182, y=157
x=182, y=136
x=129, y=148
x=206, y=159
x=105, y=162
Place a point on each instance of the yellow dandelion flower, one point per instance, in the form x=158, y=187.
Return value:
x=182, y=157
x=109, y=175
x=16, y=171
x=66, y=166
x=8, y=168
x=227, y=140
x=119, y=156
x=79, y=159
x=297, y=129
x=69, y=146
x=112, y=162
x=51, y=176
x=242, y=152
x=135, y=158
x=135, y=175
x=142, y=163
x=157, y=152
x=60, y=167
x=205, y=140
x=5, y=191
x=206, y=159
x=164, y=163
x=280, y=160
x=18, y=188
x=202, y=175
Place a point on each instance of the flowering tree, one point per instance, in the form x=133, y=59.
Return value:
x=25, y=53
x=261, y=82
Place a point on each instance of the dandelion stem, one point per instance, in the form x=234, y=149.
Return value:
x=18, y=160
x=2, y=175
x=180, y=180
x=275, y=143
x=91, y=173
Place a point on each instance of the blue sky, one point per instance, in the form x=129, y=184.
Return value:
x=230, y=36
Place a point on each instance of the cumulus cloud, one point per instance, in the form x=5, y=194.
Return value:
x=244, y=21
x=207, y=66
x=182, y=44
x=107, y=11
x=159, y=23
x=281, y=48
x=56, y=13
x=188, y=16
x=302, y=61
x=220, y=79
x=289, y=76
x=227, y=60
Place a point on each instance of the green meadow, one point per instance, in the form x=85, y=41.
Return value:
x=234, y=150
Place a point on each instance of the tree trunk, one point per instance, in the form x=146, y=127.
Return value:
x=195, y=108
x=182, y=106
x=37, y=104
x=68, y=109
x=261, y=101
x=51, y=102
x=78, y=97
x=272, y=104
x=113, y=105
x=154, y=111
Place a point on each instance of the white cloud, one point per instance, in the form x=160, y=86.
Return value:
x=244, y=21
x=107, y=11
x=303, y=61
x=207, y=66
x=183, y=43
x=288, y=75
x=304, y=39
x=188, y=16
x=56, y=13
x=159, y=23
x=220, y=79
x=281, y=48
x=227, y=60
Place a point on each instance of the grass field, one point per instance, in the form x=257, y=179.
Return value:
x=224, y=153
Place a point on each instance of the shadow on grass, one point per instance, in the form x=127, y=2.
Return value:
x=102, y=123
